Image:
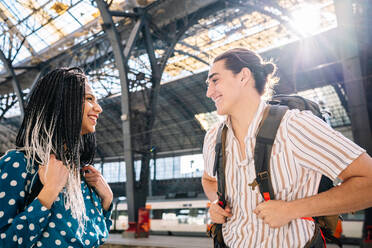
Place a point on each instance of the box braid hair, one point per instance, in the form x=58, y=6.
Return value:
x=52, y=125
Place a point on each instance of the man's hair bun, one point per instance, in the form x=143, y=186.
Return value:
x=269, y=68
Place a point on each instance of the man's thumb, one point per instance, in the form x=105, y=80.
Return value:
x=228, y=209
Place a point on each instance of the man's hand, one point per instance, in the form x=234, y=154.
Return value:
x=96, y=180
x=275, y=213
x=218, y=214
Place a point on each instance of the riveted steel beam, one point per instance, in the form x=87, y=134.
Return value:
x=121, y=60
x=353, y=78
x=15, y=83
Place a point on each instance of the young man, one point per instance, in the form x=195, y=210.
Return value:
x=305, y=148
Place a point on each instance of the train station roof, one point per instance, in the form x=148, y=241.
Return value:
x=38, y=32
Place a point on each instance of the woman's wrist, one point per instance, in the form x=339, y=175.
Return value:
x=47, y=196
x=106, y=203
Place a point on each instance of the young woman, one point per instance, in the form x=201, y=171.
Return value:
x=50, y=195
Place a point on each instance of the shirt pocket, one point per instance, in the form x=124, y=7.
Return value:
x=281, y=176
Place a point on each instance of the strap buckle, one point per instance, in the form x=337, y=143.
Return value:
x=263, y=175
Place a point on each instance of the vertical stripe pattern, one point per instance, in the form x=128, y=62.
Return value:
x=304, y=149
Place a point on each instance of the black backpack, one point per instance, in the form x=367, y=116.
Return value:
x=264, y=141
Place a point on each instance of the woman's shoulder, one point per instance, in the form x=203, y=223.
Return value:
x=15, y=158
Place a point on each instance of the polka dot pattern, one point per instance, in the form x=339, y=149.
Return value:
x=37, y=226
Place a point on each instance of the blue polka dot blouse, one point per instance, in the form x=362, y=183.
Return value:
x=37, y=226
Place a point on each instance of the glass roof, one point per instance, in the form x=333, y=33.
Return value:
x=33, y=31
x=249, y=28
x=29, y=27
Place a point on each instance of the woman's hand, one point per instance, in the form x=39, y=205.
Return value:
x=94, y=179
x=54, y=177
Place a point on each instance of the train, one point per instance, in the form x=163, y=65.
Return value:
x=168, y=216
x=189, y=217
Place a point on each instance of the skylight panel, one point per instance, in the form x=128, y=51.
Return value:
x=207, y=120
x=22, y=54
x=84, y=12
x=66, y=23
x=56, y=8
x=49, y=34
x=8, y=14
x=17, y=9
x=42, y=2
x=36, y=42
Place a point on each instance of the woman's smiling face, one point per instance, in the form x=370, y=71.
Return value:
x=91, y=111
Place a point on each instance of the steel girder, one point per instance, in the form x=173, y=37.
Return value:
x=17, y=89
x=121, y=63
x=147, y=118
x=353, y=78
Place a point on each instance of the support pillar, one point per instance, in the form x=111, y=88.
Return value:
x=353, y=81
x=121, y=64
x=353, y=78
x=17, y=89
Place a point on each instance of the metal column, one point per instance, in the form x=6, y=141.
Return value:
x=17, y=89
x=121, y=63
x=353, y=79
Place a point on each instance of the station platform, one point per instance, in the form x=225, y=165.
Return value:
x=158, y=241
x=162, y=241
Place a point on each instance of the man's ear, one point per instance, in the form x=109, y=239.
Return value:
x=245, y=76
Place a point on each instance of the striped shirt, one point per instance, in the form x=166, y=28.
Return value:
x=304, y=149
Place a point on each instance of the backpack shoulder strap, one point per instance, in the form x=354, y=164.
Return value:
x=217, y=150
x=264, y=143
x=220, y=162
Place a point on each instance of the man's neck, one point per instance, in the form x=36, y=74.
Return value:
x=243, y=115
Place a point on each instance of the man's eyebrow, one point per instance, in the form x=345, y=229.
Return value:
x=210, y=76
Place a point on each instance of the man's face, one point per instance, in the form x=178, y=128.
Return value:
x=223, y=87
x=91, y=111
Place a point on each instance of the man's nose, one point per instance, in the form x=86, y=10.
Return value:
x=210, y=90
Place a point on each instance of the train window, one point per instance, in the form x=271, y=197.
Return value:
x=122, y=212
x=359, y=215
x=157, y=214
